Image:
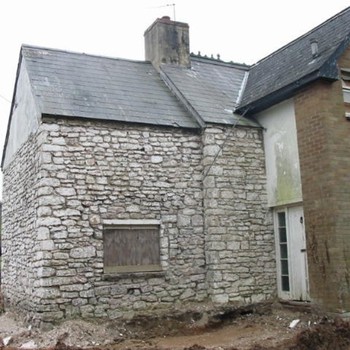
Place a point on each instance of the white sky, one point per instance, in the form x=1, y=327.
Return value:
x=242, y=31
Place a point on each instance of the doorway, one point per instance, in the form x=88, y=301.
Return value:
x=292, y=279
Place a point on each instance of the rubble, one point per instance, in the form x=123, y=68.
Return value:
x=246, y=328
x=294, y=323
x=29, y=345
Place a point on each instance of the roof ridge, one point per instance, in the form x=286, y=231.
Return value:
x=209, y=60
x=70, y=52
x=301, y=36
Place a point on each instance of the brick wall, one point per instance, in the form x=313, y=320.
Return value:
x=324, y=144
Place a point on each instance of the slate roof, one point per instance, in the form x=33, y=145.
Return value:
x=280, y=74
x=79, y=85
x=211, y=87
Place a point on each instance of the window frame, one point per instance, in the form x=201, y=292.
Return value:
x=282, y=292
x=137, y=225
x=283, y=253
x=345, y=80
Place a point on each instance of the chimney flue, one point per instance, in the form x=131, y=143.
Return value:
x=167, y=42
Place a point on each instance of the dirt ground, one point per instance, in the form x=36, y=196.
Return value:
x=259, y=327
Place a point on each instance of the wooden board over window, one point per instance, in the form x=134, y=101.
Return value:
x=131, y=248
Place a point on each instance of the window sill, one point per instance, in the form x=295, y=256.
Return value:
x=115, y=276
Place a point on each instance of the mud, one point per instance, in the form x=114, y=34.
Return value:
x=258, y=327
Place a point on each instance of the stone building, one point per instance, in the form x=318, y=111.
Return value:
x=132, y=185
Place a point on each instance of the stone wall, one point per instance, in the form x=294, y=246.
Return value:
x=240, y=249
x=87, y=174
x=18, y=235
x=92, y=172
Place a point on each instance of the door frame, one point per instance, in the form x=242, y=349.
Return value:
x=284, y=294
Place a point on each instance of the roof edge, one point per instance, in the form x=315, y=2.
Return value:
x=20, y=59
x=284, y=93
x=301, y=36
x=219, y=62
x=77, y=117
x=328, y=71
x=71, y=52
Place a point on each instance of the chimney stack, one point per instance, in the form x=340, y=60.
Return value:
x=167, y=41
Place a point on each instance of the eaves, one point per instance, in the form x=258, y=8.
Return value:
x=284, y=93
x=327, y=71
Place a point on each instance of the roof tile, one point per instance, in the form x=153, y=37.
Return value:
x=295, y=60
x=80, y=85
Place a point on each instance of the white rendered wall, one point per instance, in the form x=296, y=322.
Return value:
x=25, y=115
x=282, y=157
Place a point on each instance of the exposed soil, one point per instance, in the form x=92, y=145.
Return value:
x=259, y=327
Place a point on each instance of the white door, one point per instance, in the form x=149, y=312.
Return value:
x=291, y=254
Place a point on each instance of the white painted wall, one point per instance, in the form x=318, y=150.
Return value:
x=282, y=157
x=25, y=115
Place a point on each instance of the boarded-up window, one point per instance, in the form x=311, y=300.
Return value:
x=131, y=248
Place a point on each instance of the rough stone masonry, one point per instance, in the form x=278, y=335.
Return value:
x=73, y=177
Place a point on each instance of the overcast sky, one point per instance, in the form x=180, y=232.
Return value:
x=242, y=31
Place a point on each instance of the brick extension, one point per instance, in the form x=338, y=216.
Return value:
x=324, y=145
